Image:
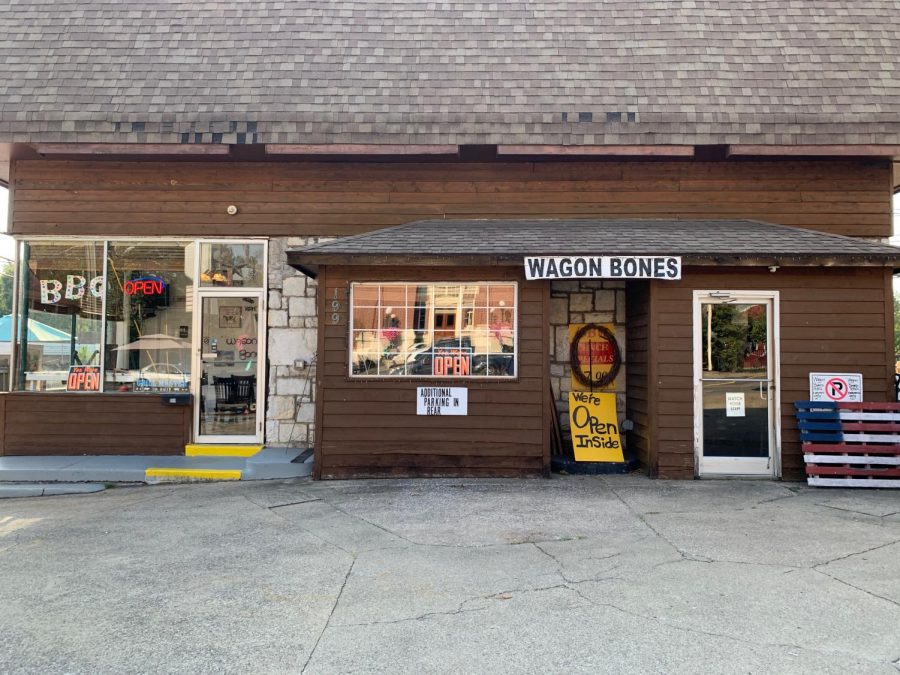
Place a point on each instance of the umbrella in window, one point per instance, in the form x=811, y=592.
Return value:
x=157, y=341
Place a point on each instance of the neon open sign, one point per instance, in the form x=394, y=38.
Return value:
x=149, y=285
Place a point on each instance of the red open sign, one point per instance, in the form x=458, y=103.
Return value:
x=151, y=285
x=83, y=378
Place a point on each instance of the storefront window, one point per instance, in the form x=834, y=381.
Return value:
x=433, y=330
x=60, y=313
x=232, y=265
x=114, y=315
x=148, y=316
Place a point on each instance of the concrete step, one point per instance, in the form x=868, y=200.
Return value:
x=267, y=463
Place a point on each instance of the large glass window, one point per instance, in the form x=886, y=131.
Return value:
x=61, y=308
x=232, y=264
x=115, y=313
x=148, y=316
x=444, y=330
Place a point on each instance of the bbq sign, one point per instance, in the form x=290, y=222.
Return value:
x=666, y=268
x=83, y=378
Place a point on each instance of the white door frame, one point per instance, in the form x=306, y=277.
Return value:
x=197, y=367
x=736, y=466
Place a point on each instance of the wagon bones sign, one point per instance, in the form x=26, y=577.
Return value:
x=665, y=268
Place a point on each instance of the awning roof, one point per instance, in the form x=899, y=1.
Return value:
x=506, y=242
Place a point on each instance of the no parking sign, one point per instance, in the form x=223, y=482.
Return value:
x=836, y=387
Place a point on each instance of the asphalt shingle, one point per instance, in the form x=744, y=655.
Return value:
x=462, y=72
x=506, y=241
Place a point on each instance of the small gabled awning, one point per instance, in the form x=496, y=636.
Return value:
x=508, y=242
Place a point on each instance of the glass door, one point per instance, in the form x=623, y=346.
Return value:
x=735, y=386
x=230, y=377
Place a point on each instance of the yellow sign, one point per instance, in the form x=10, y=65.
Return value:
x=595, y=428
x=595, y=354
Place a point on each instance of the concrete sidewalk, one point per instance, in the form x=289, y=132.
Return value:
x=611, y=574
x=265, y=465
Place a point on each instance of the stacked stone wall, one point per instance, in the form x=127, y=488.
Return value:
x=292, y=339
x=578, y=302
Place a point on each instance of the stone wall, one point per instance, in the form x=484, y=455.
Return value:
x=583, y=301
x=292, y=331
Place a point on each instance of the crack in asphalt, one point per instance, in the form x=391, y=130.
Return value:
x=461, y=609
x=294, y=523
x=858, y=588
x=337, y=599
x=850, y=555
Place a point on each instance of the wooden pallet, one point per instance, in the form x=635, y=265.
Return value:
x=850, y=444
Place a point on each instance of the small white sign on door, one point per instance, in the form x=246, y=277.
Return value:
x=442, y=401
x=837, y=387
x=734, y=404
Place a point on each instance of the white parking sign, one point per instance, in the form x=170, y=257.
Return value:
x=836, y=387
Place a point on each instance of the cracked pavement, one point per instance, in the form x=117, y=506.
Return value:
x=573, y=574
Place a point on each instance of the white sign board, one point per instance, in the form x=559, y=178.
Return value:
x=734, y=404
x=442, y=401
x=837, y=387
x=667, y=268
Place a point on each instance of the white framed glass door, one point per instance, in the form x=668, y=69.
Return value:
x=230, y=359
x=736, y=392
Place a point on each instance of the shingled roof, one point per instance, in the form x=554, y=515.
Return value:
x=462, y=72
x=498, y=242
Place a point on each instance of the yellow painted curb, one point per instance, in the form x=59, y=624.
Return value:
x=195, y=474
x=204, y=450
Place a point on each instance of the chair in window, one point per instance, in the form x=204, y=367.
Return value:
x=245, y=391
x=225, y=391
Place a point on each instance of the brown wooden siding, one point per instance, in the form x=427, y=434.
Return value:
x=637, y=371
x=92, y=424
x=835, y=319
x=293, y=198
x=370, y=427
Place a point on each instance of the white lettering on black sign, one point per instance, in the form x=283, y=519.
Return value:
x=442, y=401
x=667, y=268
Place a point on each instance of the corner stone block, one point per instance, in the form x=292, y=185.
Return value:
x=280, y=408
x=561, y=344
x=278, y=318
x=581, y=302
x=559, y=311
x=302, y=307
x=294, y=286
x=286, y=345
x=605, y=301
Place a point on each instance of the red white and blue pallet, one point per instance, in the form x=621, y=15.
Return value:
x=850, y=444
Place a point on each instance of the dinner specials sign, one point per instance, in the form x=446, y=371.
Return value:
x=667, y=268
x=594, y=427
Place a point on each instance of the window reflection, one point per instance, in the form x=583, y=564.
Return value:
x=149, y=318
x=433, y=330
x=231, y=265
x=60, y=317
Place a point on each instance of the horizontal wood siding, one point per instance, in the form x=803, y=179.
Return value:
x=369, y=428
x=292, y=198
x=92, y=424
x=835, y=319
x=637, y=352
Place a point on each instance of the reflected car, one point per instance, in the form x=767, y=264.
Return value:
x=421, y=362
x=160, y=377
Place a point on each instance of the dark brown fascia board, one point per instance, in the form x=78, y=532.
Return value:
x=360, y=149
x=596, y=150
x=157, y=149
x=814, y=151
x=308, y=262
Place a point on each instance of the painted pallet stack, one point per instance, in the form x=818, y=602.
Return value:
x=850, y=444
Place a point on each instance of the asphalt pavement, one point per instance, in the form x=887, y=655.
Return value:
x=615, y=574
